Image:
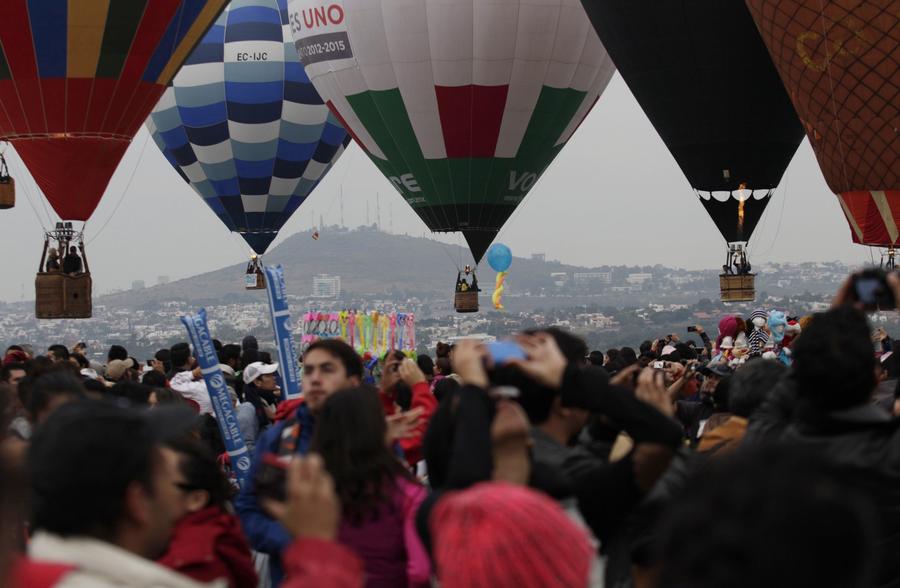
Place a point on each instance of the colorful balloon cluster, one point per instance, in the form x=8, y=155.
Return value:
x=367, y=332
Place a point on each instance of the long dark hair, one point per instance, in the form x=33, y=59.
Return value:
x=350, y=436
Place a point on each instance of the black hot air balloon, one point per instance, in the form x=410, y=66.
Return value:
x=701, y=73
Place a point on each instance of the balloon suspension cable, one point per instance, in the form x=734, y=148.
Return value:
x=890, y=264
x=30, y=200
x=124, y=192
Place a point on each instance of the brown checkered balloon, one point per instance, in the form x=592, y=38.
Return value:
x=840, y=63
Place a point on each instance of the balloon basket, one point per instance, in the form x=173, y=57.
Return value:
x=7, y=186
x=255, y=280
x=737, y=288
x=59, y=295
x=7, y=192
x=466, y=301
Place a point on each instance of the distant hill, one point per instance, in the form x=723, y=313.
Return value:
x=369, y=262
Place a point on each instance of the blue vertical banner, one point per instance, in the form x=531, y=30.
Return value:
x=205, y=352
x=288, y=360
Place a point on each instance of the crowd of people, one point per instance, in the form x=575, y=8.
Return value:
x=766, y=456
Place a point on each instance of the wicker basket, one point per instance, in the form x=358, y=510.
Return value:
x=7, y=192
x=466, y=301
x=737, y=288
x=59, y=295
x=255, y=281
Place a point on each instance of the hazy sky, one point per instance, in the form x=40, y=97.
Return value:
x=613, y=196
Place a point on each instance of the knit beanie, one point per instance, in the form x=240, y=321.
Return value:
x=500, y=535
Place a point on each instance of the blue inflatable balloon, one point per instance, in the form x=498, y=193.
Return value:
x=499, y=257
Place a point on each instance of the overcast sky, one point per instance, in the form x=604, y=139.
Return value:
x=613, y=196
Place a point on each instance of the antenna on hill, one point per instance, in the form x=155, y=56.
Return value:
x=378, y=209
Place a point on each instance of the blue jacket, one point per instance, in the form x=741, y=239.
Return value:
x=265, y=534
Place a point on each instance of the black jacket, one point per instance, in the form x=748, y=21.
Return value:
x=863, y=442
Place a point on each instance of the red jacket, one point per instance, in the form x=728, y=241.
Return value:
x=311, y=563
x=209, y=544
x=421, y=397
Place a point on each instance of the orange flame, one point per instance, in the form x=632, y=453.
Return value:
x=741, y=199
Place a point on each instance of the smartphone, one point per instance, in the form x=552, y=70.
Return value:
x=271, y=477
x=692, y=329
x=659, y=365
x=502, y=352
x=871, y=289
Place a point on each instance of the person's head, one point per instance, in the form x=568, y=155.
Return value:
x=628, y=355
x=58, y=353
x=350, y=435
x=137, y=394
x=329, y=365
x=445, y=387
x=52, y=253
x=834, y=366
x=180, y=356
x=752, y=384
x=442, y=350
x=230, y=355
x=487, y=535
x=116, y=352
x=165, y=356
x=787, y=508
x=49, y=392
x=99, y=470
x=165, y=396
x=73, y=250
x=443, y=366
x=80, y=361
x=249, y=356
x=119, y=370
x=426, y=364
x=261, y=375
x=12, y=374
x=204, y=484
x=80, y=347
x=611, y=356
x=595, y=358
x=249, y=342
x=154, y=379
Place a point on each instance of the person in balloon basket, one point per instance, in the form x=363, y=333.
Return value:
x=72, y=262
x=462, y=285
x=52, y=260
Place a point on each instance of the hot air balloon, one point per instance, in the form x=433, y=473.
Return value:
x=462, y=105
x=702, y=75
x=243, y=125
x=77, y=79
x=840, y=62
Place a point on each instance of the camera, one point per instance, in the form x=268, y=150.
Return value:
x=871, y=289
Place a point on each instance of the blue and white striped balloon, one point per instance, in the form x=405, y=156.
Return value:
x=243, y=125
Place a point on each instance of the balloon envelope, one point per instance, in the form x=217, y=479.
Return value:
x=462, y=105
x=244, y=126
x=77, y=79
x=499, y=257
x=702, y=75
x=840, y=62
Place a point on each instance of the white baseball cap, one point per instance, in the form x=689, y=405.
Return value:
x=257, y=369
